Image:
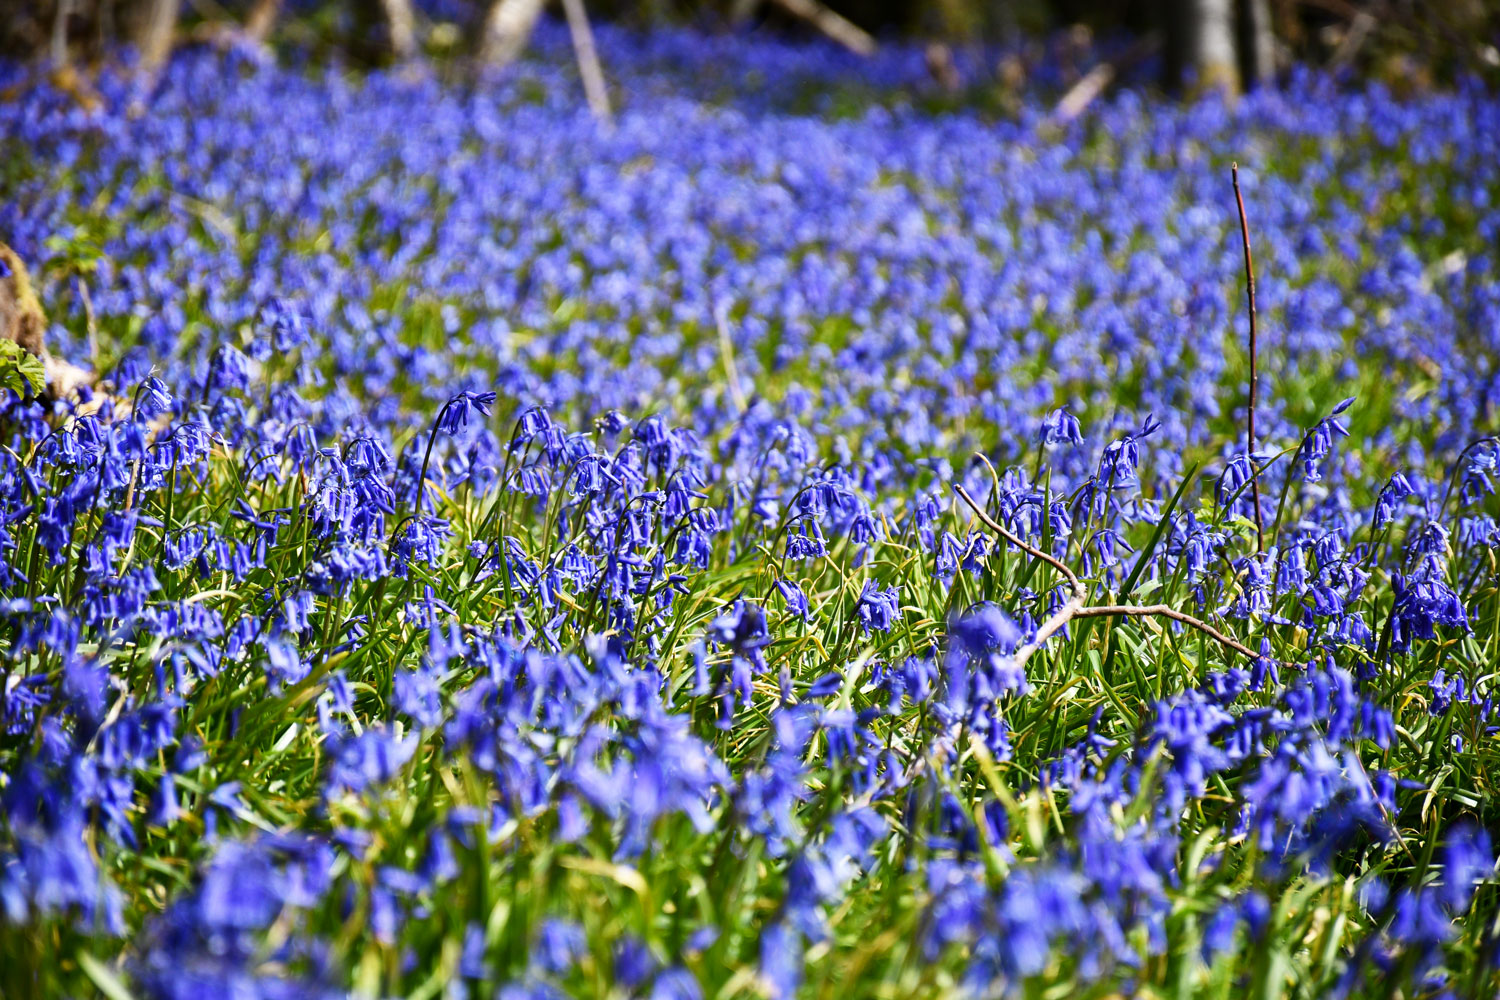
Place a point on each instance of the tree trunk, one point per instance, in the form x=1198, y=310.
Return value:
x=1213, y=45
x=588, y=58
x=261, y=20
x=21, y=318
x=740, y=11
x=831, y=23
x=401, y=23
x=154, y=37
x=1200, y=43
x=507, y=29
x=60, y=33
x=1259, y=40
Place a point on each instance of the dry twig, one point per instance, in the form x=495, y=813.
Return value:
x=1076, y=606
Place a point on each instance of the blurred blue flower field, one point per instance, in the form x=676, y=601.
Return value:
x=509, y=554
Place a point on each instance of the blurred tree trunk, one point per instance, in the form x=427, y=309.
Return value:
x=1200, y=43
x=507, y=29
x=60, y=33
x=831, y=23
x=154, y=31
x=401, y=22
x=21, y=318
x=1258, y=35
x=1212, y=24
x=589, y=69
x=261, y=20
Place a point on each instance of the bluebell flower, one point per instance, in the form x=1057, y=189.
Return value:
x=559, y=943
x=1219, y=931
x=796, y=600
x=1421, y=604
x=781, y=956
x=455, y=414
x=154, y=397
x=878, y=609
x=633, y=963
x=676, y=983
x=371, y=758
x=1061, y=427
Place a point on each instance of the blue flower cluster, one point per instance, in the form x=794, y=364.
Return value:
x=511, y=555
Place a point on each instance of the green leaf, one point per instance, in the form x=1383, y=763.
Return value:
x=1188, y=478
x=1162, y=522
x=20, y=371
x=103, y=977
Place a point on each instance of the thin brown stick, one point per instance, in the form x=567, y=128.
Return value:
x=1352, y=42
x=1076, y=608
x=1165, y=611
x=1009, y=536
x=1260, y=529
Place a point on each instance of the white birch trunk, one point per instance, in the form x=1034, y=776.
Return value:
x=587, y=55
x=1262, y=42
x=507, y=30
x=403, y=27
x=1211, y=44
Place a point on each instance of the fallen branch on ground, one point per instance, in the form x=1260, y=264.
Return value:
x=1076, y=606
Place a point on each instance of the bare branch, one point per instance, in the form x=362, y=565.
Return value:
x=1352, y=42
x=1165, y=611
x=942, y=68
x=1035, y=553
x=1260, y=528
x=1075, y=606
